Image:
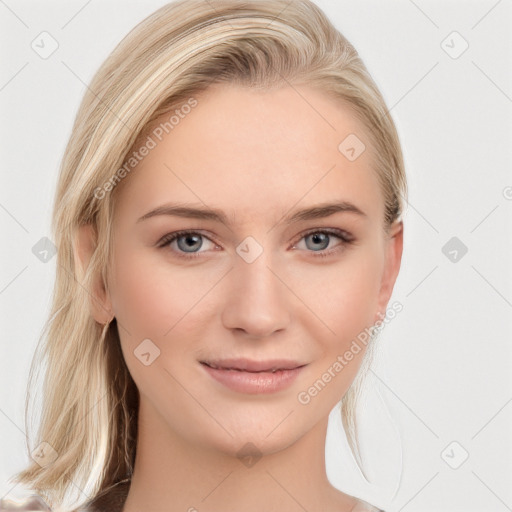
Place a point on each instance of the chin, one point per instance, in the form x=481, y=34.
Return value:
x=264, y=429
x=253, y=444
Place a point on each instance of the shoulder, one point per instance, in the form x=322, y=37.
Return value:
x=364, y=506
x=33, y=503
x=110, y=500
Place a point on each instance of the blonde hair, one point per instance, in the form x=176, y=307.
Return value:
x=90, y=402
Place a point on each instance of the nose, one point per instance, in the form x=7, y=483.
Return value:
x=258, y=299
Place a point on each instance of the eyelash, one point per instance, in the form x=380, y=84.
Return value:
x=344, y=236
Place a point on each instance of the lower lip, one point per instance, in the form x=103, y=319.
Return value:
x=254, y=382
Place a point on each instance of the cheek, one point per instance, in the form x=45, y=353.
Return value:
x=156, y=299
x=345, y=296
x=152, y=297
x=345, y=300
x=138, y=298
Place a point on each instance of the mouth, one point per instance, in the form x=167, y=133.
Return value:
x=246, y=365
x=254, y=377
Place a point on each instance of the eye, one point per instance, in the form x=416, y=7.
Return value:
x=187, y=241
x=318, y=240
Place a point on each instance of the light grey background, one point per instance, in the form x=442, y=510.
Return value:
x=443, y=371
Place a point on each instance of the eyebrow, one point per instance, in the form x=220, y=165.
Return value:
x=314, y=212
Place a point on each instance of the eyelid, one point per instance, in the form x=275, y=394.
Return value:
x=340, y=233
x=171, y=237
x=345, y=237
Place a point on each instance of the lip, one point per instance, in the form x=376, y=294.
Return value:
x=254, y=377
x=249, y=365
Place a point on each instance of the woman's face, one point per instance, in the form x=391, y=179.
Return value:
x=264, y=285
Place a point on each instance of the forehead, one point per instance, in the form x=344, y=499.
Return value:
x=255, y=154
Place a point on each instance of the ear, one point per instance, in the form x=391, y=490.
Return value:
x=100, y=306
x=393, y=248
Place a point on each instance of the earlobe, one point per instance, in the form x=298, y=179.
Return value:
x=99, y=302
x=394, y=249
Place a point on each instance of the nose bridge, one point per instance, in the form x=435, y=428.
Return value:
x=254, y=272
x=259, y=300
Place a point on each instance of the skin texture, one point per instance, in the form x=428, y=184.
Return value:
x=257, y=156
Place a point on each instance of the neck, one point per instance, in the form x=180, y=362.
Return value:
x=172, y=474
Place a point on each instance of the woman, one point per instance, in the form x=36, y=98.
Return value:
x=228, y=224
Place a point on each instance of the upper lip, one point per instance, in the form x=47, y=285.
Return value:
x=249, y=365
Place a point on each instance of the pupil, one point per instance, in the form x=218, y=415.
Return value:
x=317, y=238
x=193, y=239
